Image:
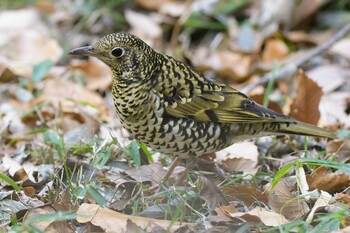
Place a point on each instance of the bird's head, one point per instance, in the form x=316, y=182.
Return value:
x=130, y=59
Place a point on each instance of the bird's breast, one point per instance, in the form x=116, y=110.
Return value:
x=167, y=134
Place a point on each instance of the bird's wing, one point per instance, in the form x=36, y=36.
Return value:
x=189, y=94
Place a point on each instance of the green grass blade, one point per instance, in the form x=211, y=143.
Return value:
x=9, y=181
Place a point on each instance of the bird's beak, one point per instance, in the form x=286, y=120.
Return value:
x=85, y=51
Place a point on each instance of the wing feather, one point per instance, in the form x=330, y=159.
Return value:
x=193, y=95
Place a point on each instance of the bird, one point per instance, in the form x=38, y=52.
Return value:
x=174, y=109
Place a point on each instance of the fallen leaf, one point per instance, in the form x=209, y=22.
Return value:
x=300, y=37
x=211, y=194
x=225, y=211
x=241, y=156
x=226, y=63
x=342, y=197
x=259, y=214
x=341, y=148
x=153, y=5
x=269, y=14
x=321, y=202
x=282, y=201
x=111, y=221
x=48, y=225
x=321, y=179
x=144, y=27
x=333, y=109
x=98, y=76
x=305, y=105
x=344, y=230
x=28, y=48
x=61, y=94
x=274, y=50
x=174, y=9
x=321, y=75
x=151, y=173
x=248, y=194
x=342, y=47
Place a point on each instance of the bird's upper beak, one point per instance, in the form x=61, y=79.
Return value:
x=85, y=51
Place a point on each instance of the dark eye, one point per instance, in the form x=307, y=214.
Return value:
x=118, y=52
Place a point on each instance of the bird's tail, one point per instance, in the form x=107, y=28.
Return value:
x=309, y=130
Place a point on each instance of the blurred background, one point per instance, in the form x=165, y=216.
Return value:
x=235, y=42
x=56, y=111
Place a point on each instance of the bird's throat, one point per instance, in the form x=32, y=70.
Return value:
x=132, y=100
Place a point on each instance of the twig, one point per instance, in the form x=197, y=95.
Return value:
x=290, y=69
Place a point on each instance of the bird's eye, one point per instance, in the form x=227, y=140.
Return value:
x=118, y=52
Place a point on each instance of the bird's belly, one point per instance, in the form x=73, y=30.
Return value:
x=182, y=137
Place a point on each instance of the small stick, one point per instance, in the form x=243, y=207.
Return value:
x=290, y=69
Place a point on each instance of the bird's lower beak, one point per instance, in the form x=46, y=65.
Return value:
x=85, y=51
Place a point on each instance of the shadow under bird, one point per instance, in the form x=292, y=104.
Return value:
x=174, y=109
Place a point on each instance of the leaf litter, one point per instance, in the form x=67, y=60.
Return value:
x=68, y=165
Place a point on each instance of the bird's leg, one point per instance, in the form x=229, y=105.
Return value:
x=170, y=171
x=166, y=176
x=190, y=164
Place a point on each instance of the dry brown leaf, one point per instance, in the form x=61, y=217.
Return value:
x=242, y=156
x=154, y=4
x=282, y=201
x=111, y=221
x=48, y=225
x=321, y=179
x=144, y=26
x=29, y=191
x=42, y=225
x=341, y=148
x=98, y=75
x=225, y=211
x=259, y=214
x=211, y=194
x=333, y=109
x=151, y=172
x=300, y=37
x=174, y=9
x=344, y=198
x=321, y=75
x=61, y=93
x=248, y=194
x=269, y=14
x=26, y=49
x=342, y=47
x=321, y=202
x=305, y=105
x=226, y=63
x=274, y=50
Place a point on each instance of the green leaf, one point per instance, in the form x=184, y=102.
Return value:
x=227, y=7
x=9, y=181
x=80, y=192
x=96, y=195
x=146, y=151
x=332, y=164
x=278, y=176
x=135, y=154
x=40, y=70
x=198, y=20
x=59, y=216
x=53, y=137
